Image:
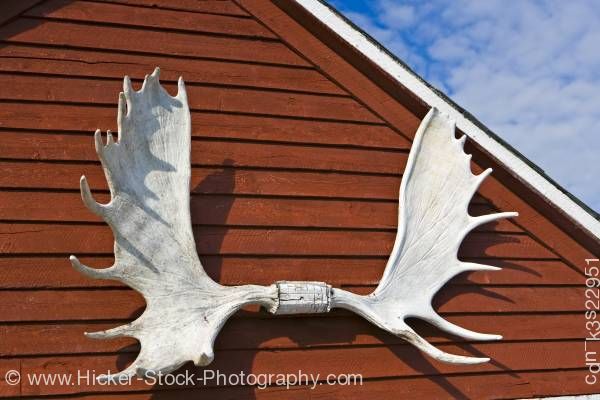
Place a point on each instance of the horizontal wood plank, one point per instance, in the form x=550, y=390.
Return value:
x=82, y=118
x=46, y=272
x=125, y=304
x=145, y=17
x=68, y=147
x=283, y=333
x=235, y=211
x=528, y=384
x=186, y=45
x=371, y=362
x=38, y=238
x=59, y=175
x=525, y=384
x=211, y=181
x=78, y=90
x=89, y=63
x=226, y=7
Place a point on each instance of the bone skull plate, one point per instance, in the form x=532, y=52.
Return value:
x=148, y=172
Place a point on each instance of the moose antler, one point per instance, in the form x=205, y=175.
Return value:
x=435, y=192
x=148, y=173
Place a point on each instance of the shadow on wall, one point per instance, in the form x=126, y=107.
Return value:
x=11, y=24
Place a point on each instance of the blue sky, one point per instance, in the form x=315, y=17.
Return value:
x=528, y=69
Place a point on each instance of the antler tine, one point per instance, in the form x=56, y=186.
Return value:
x=88, y=199
x=418, y=341
x=98, y=209
x=479, y=179
x=127, y=87
x=119, y=331
x=155, y=75
x=121, y=376
x=96, y=273
x=109, y=138
x=98, y=145
x=469, y=266
x=484, y=219
x=437, y=320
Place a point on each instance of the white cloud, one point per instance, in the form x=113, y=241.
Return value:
x=530, y=70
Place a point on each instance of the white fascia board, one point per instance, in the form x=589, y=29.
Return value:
x=520, y=169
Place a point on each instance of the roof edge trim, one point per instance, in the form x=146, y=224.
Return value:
x=504, y=153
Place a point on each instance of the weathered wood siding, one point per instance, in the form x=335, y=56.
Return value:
x=297, y=160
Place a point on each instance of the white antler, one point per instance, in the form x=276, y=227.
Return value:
x=148, y=173
x=436, y=189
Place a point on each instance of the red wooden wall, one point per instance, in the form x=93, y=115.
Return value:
x=297, y=159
